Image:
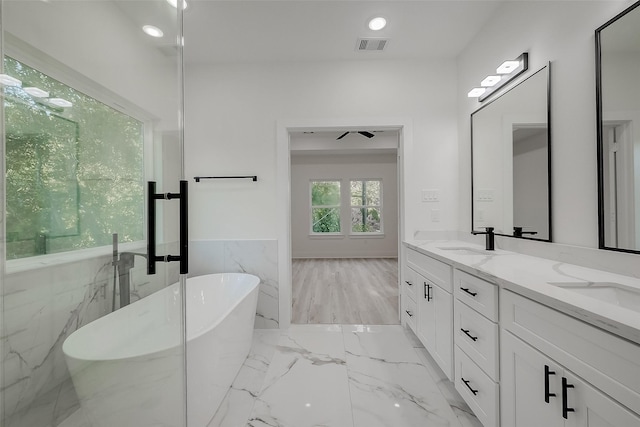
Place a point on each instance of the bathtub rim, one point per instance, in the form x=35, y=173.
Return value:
x=77, y=357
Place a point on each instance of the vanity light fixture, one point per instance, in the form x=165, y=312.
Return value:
x=377, y=23
x=507, y=71
x=152, y=31
x=490, y=81
x=7, y=80
x=60, y=102
x=36, y=92
x=476, y=92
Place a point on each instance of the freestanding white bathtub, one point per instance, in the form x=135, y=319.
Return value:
x=128, y=366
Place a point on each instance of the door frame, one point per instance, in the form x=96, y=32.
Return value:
x=283, y=197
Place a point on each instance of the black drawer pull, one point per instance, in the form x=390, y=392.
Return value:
x=473, y=294
x=547, y=394
x=565, y=405
x=408, y=283
x=409, y=313
x=475, y=392
x=466, y=332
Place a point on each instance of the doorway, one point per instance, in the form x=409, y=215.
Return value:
x=344, y=226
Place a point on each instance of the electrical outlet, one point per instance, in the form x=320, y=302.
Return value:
x=479, y=216
x=430, y=195
x=435, y=215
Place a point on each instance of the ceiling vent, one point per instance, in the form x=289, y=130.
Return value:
x=371, y=44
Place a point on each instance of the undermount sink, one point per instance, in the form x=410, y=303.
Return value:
x=612, y=293
x=461, y=250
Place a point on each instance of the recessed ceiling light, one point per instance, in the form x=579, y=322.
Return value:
x=377, y=23
x=507, y=67
x=490, y=81
x=7, y=80
x=152, y=31
x=59, y=102
x=476, y=92
x=36, y=92
x=174, y=3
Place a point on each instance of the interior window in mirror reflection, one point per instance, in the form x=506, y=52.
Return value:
x=619, y=133
x=510, y=155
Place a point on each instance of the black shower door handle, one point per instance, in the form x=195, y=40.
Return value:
x=152, y=196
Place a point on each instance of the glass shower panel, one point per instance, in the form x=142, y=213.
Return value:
x=91, y=110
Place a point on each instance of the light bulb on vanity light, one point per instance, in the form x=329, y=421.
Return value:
x=507, y=67
x=36, y=92
x=7, y=80
x=490, y=81
x=476, y=92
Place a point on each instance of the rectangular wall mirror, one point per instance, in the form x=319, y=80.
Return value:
x=511, y=161
x=618, y=106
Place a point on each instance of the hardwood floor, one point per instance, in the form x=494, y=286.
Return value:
x=345, y=291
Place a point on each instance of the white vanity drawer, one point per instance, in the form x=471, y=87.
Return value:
x=410, y=283
x=477, y=336
x=479, y=391
x=608, y=362
x=478, y=294
x=432, y=269
x=409, y=312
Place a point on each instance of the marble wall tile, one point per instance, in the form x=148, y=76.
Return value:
x=258, y=257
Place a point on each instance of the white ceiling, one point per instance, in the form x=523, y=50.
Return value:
x=320, y=30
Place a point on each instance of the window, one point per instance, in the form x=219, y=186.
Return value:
x=74, y=167
x=325, y=206
x=366, y=206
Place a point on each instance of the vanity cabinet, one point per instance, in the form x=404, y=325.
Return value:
x=430, y=290
x=559, y=371
x=477, y=345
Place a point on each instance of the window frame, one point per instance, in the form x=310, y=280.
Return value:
x=44, y=63
x=339, y=207
x=367, y=234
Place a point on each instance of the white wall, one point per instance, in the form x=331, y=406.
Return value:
x=231, y=117
x=563, y=33
x=305, y=168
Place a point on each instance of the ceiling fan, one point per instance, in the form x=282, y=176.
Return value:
x=361, y=132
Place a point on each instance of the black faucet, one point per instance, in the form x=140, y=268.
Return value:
x=517, y=232
x=490, y=238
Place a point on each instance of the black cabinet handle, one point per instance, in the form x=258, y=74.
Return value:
x=409, y=313
x=475, y=392
x=408, y=283
x=152, y=258
x=427, y=291
x=547, y=373
x=473, y=294
x=466, y=332
x=565, y=404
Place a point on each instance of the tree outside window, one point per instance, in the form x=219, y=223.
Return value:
x=325, y=206
x=366, y=206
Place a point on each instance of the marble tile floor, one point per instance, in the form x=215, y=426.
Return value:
x=338, y=376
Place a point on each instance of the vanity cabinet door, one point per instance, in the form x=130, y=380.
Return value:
x=435, y=323
x=529, y=379
x=592, y=408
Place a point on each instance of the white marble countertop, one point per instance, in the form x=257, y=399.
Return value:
x=531, y=277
